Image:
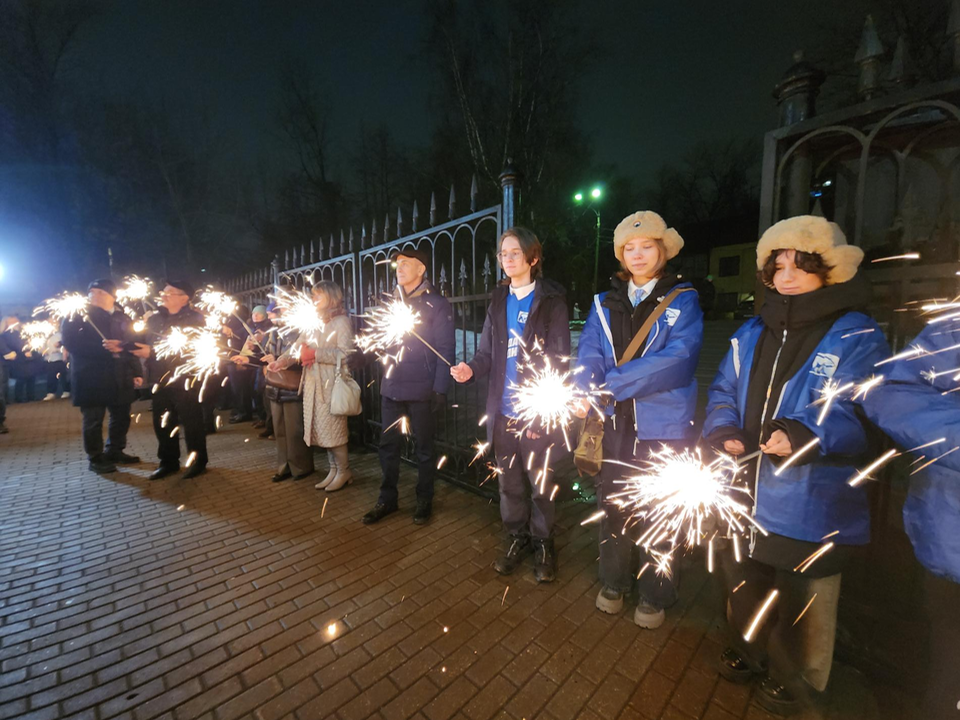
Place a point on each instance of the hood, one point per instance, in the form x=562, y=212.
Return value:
x=796, y=311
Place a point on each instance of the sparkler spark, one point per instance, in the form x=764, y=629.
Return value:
x=806, y=607
x=547, y=399
x=795, y=456
x=298, y=314
x=387, y=326
x=862, y=475
x=199, y=348
x=37, y=333
x=65, y=306
x=759, y=616
x=135, y=289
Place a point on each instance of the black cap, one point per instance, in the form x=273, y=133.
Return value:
x=412, y=253
x=105, y=284
x=183, y=286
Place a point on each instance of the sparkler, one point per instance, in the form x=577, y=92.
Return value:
x=135, y=289
x=298, y=314
x=37, y=333
x=218, y=305
x=388, y=325
x=198, y=347
x=67, y=306
x=548, y=399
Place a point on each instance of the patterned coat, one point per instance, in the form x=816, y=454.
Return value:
x=320, y=428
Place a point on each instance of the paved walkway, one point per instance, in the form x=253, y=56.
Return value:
x=230, y=596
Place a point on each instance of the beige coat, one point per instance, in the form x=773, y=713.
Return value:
x=320, y=428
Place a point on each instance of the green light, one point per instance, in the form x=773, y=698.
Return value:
x=595, y=193
x=576, y=486
x=578, y=197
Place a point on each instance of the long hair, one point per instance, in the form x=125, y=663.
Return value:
x=529, y=244
x=334, y=295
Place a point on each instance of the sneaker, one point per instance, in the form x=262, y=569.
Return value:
x=423, y=512
x=379, y=512
x=610, y=601
x=648, y=615
x=49, y=396
x=734, y=668
x=776, y=699
x=544, y=560
x=65, y=396
x=517, y=546
x=102, y=465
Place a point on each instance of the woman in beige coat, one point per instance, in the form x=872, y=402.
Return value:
x=319, y=356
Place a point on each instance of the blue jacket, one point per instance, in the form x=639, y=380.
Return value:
x=659, y=380
x=909, y=405
x=810, y=500
x=420, y=373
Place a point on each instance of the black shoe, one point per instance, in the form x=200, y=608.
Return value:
x=544, y=560
x=194, y=470
x=423, y=513
x=121, y=458
x=163, y=471
x=379, y=512
x=280, y=477
x=776, y=699
x=239, y=419
x=101, y=464
x=512, y=555
x=265, y=435
x=210, y=430
x=257, y=424
x=4, y=429
x=734, y=668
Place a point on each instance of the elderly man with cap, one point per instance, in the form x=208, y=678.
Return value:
x=173, y=404
x=415, y=388
x=104, y=375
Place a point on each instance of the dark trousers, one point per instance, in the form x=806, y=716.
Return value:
x=941, y=601
x=422, y=423
x=526, y=507
x=116, y=429
x=799, y=655
x=58, y=381
x=24, y=389
x=185, y=412
x=293, y=453
x=621, y=560
x=4, y=392
x=241, y=380
x=261, y=406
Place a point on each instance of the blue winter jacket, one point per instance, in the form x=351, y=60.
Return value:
x=914, y=407
x=660, y=378
x=810, y=500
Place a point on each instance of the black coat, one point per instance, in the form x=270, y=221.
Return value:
x=158, y=326
x=548, y=322
x=421, y=373
x=98, y=377
x=22, y=366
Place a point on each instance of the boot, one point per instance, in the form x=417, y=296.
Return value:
x=544, y=560
x=648, y=615
x=332, y=459
x=101, y=464
x=776, y=699
x=423, y=512
x=517, y=546
x=119, y=457
x=344, y=476
x=379, y=512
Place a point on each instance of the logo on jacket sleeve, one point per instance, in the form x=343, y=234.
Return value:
x=671, y=315
x=825, y=365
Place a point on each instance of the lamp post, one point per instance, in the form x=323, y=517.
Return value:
x=594, y=196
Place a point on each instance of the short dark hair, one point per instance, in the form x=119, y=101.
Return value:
x=808, y=262
x=529, y=244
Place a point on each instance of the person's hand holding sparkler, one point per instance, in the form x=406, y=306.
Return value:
x=778, y=444
x=142, y=351
x=461, y=372
x=113, y=346
x=734, y=447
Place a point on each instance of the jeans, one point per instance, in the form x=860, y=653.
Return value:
x=58, y=380
x=422, y=422
x=184, y=410
x=116, y=429
x=526, y=507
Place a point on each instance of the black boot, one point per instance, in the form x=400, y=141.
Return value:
x=101, y=464
x=734, y=668
x=776, y=699
x=514, y=550
x=121, y=458
x=423, y=513
x=379, y=512
x=544, y=560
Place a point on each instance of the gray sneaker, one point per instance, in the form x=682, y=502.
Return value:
x=610, y=601
x=648, y=616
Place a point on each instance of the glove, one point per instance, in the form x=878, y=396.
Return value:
x=438, y=401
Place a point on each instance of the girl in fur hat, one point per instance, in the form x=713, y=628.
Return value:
x=809, y=334
x=653, y=392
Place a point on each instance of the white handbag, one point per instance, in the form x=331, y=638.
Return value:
x=345, y=398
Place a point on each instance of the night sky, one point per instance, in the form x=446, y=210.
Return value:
x=672, y=73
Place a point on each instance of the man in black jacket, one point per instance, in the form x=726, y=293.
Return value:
x=527, y=315
x=103, y=375
x=173, y=404
x=414, y=388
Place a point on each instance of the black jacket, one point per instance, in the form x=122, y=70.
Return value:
x=420, y=372
x=98, y=377
x=157, y=327
x=548, y=322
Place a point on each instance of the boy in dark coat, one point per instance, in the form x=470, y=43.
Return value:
x=103, y=376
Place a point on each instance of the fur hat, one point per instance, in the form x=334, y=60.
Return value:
x=646, y=224
x=812, y=234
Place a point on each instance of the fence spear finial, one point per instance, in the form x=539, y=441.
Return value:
x=452, y=207
x=343, y=242
x=433, y=209
x=350, y=240
x=399, y=222
x=416, y=215
x=474, y=191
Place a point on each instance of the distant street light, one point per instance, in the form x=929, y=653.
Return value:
x=595, y=194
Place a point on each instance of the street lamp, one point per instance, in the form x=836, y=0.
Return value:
x=595, y=195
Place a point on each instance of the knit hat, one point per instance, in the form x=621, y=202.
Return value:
x=185, y=287
x=646, y=224
x=105, y=284
x=812, y=234
x=259, y=309
x=412, y=253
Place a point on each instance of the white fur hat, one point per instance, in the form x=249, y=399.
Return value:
x=812, y=234
x=646, y=224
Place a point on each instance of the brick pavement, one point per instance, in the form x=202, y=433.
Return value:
x=231, y=597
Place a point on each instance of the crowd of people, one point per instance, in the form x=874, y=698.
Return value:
x=640, y=345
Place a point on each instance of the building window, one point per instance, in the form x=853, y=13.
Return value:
x=730, y=266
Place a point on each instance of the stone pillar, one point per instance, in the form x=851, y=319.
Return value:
x=510, y=188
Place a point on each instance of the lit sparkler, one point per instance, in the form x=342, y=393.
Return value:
x=37, y=332
x=67, y=306
x=135, y=289
x=547, y=399
x=199, y=348
x=388, y=325
x=298, y=314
